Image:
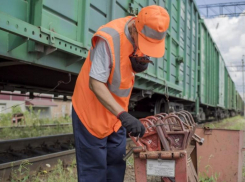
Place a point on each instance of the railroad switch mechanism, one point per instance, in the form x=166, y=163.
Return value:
x=165, y=149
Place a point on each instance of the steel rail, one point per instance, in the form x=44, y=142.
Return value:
x=35, y=142
x=39, y=163
x=42, y=126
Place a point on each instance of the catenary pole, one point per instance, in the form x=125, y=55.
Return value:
x=243, y=82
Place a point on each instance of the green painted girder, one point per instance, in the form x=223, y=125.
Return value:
x=41, y=35
x=160, y=82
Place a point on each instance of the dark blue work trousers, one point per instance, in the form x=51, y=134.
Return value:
x=99, y=160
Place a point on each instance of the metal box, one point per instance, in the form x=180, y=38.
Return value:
x=221, y=154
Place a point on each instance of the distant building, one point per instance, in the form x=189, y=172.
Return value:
x=47, y=107
x=7, y=101
x=63, y=109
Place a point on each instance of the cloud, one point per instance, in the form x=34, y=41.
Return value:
x=229, y=35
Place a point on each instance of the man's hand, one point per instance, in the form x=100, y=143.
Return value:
x=133, y=126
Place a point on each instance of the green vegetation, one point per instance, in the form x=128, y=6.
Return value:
x=130, y=161
x=243, y=171
x=31, y=118
x=234, y=123
x=208, y=175
x=33, y=125
x=205, y=178
x=35, y=131
x=22, y=173
x=58, y=173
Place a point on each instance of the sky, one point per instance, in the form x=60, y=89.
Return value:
x=229, y=35
x=203, y=2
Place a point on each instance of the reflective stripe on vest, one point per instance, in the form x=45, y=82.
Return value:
x=114, y=87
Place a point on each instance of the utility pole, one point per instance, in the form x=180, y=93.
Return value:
x=243, y=83
x=240, y=68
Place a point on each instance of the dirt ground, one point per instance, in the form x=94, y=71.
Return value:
x=129, y=176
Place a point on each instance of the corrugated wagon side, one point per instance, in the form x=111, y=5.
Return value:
x=42, y=43
x=176, y=73
x=46, y=42
x=230, y=96
x=239, y=103
x=211, y=68
x=221, y=88
x=234, y=100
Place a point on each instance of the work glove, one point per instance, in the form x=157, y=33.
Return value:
x=133, y=126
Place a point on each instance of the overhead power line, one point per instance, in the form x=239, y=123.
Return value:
x=235, y=66
x=229, y=9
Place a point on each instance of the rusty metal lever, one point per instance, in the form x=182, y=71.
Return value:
x=198, y=139
x=131, y=151
x=128, y=154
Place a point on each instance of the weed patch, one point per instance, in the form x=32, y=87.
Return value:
x=234, y=123
x=208, y=175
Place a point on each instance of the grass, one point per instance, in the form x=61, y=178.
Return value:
x=208, y=175
x=234, y=123
x=130, y=161
x=59, y=173
x=35, y=131
x=33, y=125
x=31, y=118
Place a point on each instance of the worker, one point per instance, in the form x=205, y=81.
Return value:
x=100, y=100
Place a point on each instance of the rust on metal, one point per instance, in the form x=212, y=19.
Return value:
x=18, y=118
x=192, y=174
x=207, y=131
x=167, y=137
x=222, y=151
x=162, y=154
x=150, y=140
x=198, y=139
x=134, y=150
x=181, y=169
x=140, y=169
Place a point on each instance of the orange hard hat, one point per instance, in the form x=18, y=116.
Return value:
x=152, y=24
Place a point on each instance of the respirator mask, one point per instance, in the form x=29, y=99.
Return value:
x=139, y=63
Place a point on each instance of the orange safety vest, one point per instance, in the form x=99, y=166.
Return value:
x=99, y=121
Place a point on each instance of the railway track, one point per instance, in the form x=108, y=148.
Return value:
x=42, y=152
x=39, y=151
x=42, y=126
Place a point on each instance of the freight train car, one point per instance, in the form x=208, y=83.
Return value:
x=230, y=96
x=240, y=105
x=216, y=88
x=210, y=64
x=45, y=42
